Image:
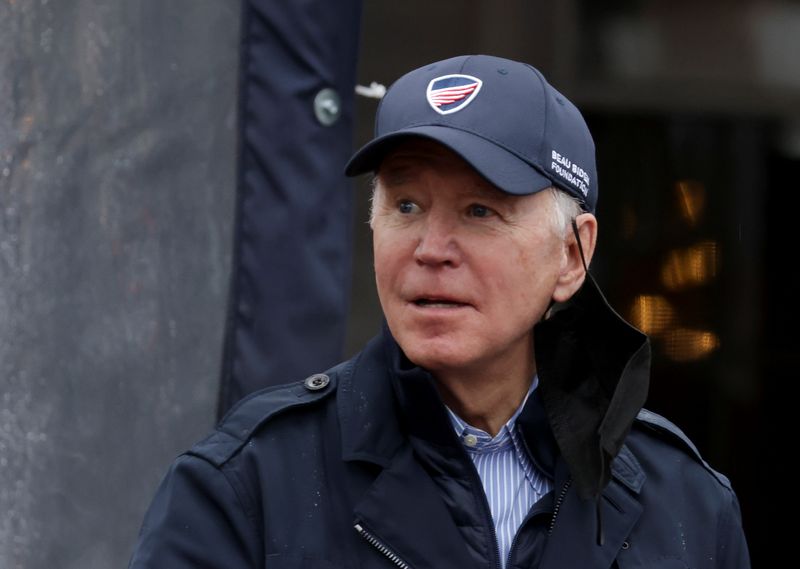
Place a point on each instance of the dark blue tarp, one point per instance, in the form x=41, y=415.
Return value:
x=291, y=264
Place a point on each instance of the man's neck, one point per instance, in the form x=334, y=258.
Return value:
x=486, y=399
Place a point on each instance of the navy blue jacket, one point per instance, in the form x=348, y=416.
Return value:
x=360, y=467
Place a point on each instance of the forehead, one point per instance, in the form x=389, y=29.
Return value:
x=415, y=152
x=411, y=156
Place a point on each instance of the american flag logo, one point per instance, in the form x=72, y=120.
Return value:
x=451, y=93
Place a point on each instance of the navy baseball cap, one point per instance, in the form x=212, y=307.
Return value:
x=501, y=116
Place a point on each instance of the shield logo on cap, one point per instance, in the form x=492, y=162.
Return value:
x=450, y=93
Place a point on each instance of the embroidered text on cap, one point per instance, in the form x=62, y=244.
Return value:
x=450, y=93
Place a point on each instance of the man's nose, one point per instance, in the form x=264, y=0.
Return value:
x=438, y=241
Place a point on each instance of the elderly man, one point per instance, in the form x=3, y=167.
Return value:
x=496, y=421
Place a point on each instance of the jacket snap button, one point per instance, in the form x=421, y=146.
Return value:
x=626, y=545
x=317, y=381
x=327, y=107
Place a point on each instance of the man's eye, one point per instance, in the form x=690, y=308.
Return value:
x=478, y=210
x=406, y=206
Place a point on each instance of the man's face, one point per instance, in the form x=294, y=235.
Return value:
x=463, y=270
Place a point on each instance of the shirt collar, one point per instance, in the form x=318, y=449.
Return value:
x=479, y=441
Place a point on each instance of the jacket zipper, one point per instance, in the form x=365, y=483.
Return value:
x=557, y=506
x=381, y=547
x=559, y=500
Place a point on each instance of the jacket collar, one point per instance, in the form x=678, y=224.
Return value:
x=384, y=399
x=368, y=413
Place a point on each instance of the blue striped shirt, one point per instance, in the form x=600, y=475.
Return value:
x=511, y=483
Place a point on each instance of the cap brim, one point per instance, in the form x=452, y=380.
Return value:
x=504, y=169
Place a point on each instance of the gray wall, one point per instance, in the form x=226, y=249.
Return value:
x=117, y=163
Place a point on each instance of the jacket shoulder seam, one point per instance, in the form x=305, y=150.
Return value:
x=666, y=428
x=238, y=426
x=245, y=505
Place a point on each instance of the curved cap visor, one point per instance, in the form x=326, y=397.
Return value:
x=502, y=168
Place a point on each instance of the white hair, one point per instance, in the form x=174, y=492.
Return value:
x=566, y=208
x=373, y=198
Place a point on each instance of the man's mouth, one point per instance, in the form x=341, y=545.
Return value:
x=438, y=303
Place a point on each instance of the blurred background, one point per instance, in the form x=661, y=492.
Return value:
x=121, y=201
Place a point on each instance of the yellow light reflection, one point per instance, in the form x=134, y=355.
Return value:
x=694, y=266
x=691, y=200
x=686, y=345
x=651, y=314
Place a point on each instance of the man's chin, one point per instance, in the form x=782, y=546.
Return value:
x=436, y=355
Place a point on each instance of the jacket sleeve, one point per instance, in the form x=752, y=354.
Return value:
x=197, y=520
x=732, y=552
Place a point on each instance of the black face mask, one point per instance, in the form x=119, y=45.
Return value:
x=594, y=371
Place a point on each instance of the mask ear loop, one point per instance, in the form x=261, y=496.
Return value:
x=580, y=246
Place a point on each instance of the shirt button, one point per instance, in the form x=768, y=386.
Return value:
x=470, y=440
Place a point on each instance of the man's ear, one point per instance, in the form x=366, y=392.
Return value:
x=572, y=272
